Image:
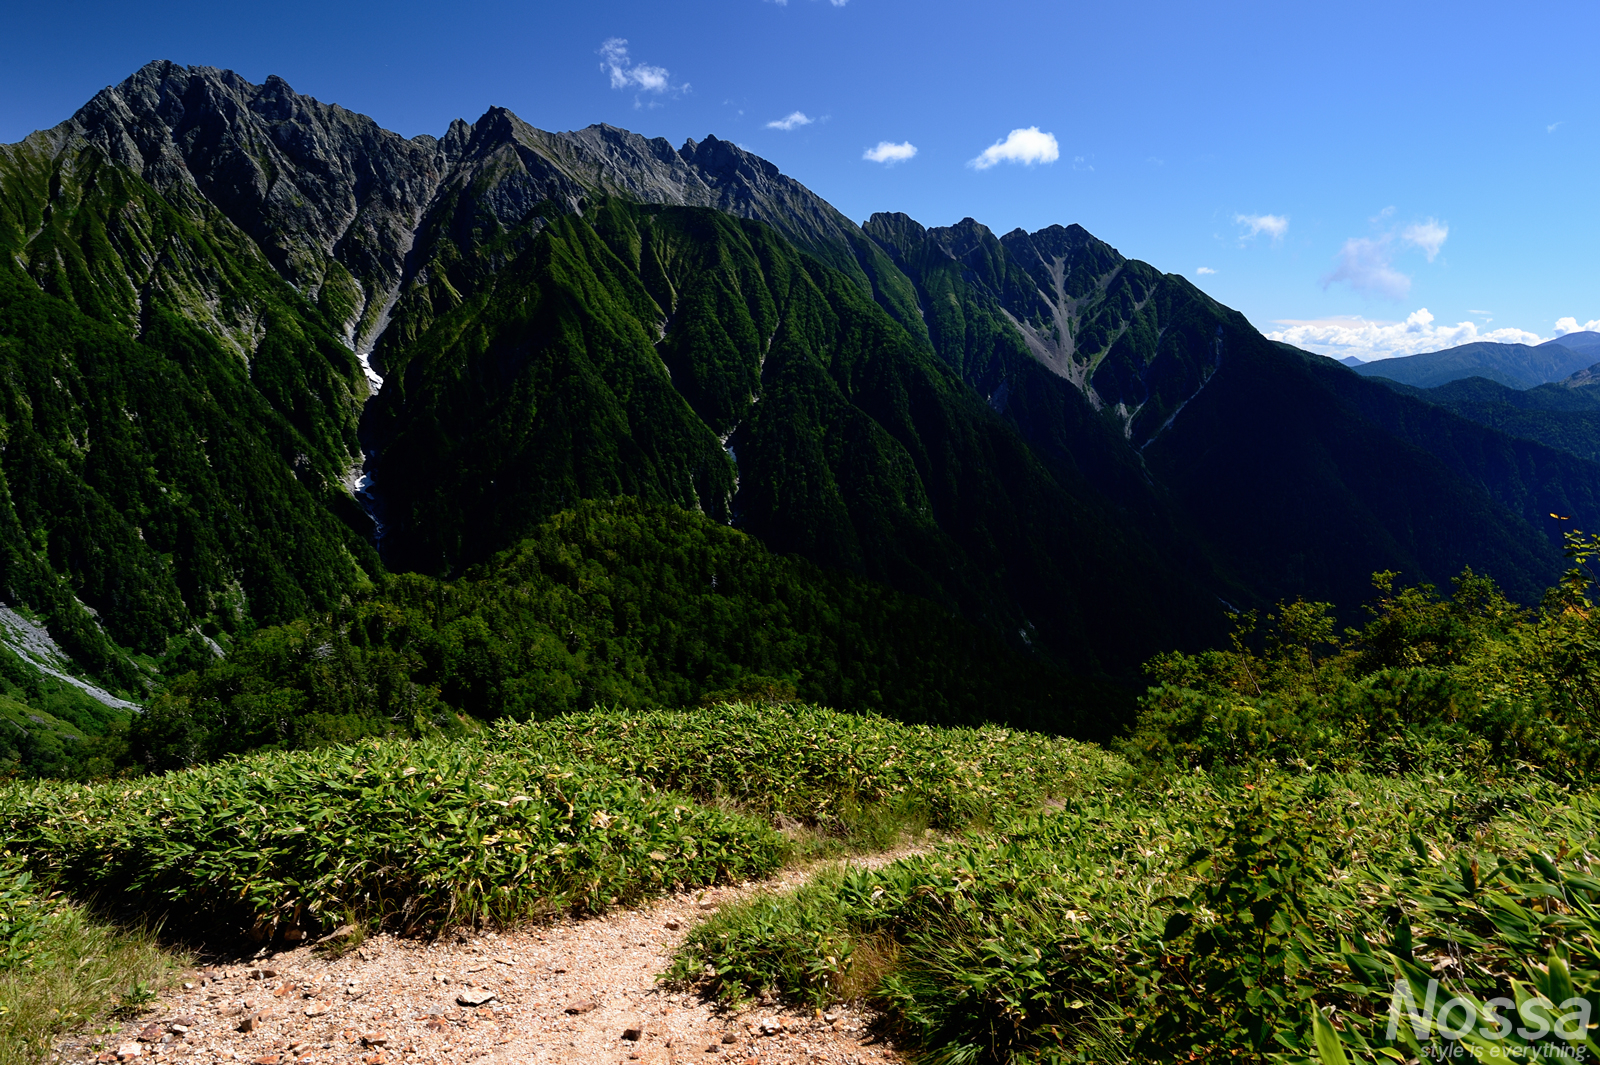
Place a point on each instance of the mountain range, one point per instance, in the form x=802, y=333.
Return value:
x=257, y=352
x=1512, y=365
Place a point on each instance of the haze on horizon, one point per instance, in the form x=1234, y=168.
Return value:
x=1362, y=180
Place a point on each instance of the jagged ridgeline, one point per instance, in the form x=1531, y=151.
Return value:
x=683, y=355
x=206, y=281
x=177, y=418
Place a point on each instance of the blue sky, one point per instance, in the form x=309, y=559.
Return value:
x=1367, y=178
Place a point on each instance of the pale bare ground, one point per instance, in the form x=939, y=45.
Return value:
x=577, y=991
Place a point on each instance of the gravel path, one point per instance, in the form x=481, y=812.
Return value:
x=578, y=991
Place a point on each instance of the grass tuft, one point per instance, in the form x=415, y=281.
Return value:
x=79, y=972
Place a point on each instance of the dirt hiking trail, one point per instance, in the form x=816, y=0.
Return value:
x=576, y=991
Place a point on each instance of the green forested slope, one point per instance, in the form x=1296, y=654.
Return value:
x=612, y=603
x=623, y=349
x=1084, y=456
x=1564, y=415
x=1280, y=474
x=176, y=421
x=1369, y=481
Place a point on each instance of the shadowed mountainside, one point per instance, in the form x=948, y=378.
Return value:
x=1084, y=455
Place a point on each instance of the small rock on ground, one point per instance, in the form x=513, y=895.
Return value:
x=578, y=992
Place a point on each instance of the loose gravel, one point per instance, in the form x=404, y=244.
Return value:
x=579, y=991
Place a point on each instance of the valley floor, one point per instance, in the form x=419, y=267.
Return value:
x=570, y=992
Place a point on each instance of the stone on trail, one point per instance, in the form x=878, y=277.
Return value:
x=477, y=996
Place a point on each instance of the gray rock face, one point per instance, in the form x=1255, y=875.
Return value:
x=316, y=186
x=311, y=184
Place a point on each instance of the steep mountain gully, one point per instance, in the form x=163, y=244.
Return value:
x=583, y=992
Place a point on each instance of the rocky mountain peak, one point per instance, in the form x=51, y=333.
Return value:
x=314, y=185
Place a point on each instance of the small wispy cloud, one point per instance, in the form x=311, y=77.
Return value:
x=1081, y=163
x=890, y=153
x=1429, y=236
x=625, y=73
x=1025, y=146
x=1552, y=127
x=1273, y=225
x=1482, y=314
x=1366, y=264
x=1204, y=270
x=792, y=120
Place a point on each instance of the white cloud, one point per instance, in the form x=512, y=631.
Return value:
x=790, y=121
x=1552, y=127
x=889, y=152
x=1370, y=340
x=1026, y=146
x=1366, y=265
x=1204, y=270
x=627, y=74
x=1570, y=325
x=1429, y=236
x=1273, y=225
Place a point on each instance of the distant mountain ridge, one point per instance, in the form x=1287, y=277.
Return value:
x=1583, y=342
x=1512, y=365
x=1085, y=455
x=1562, y=414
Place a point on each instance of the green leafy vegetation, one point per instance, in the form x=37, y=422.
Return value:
x=1154, y=923
x=1304, y=821
x=50, y=728
x=176, y=424
x=684, y=356
x=414, y=834
x=1472, y=683
x=61, y=968
x=577, y=814
x=611, y=603
x=814, y=764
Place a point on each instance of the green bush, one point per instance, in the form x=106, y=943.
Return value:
x=577, y=813
x=416, y=834
x=1427, y=685
x=615, y=603
x=25, y=915
x=812, y=763
x=1197, y=920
